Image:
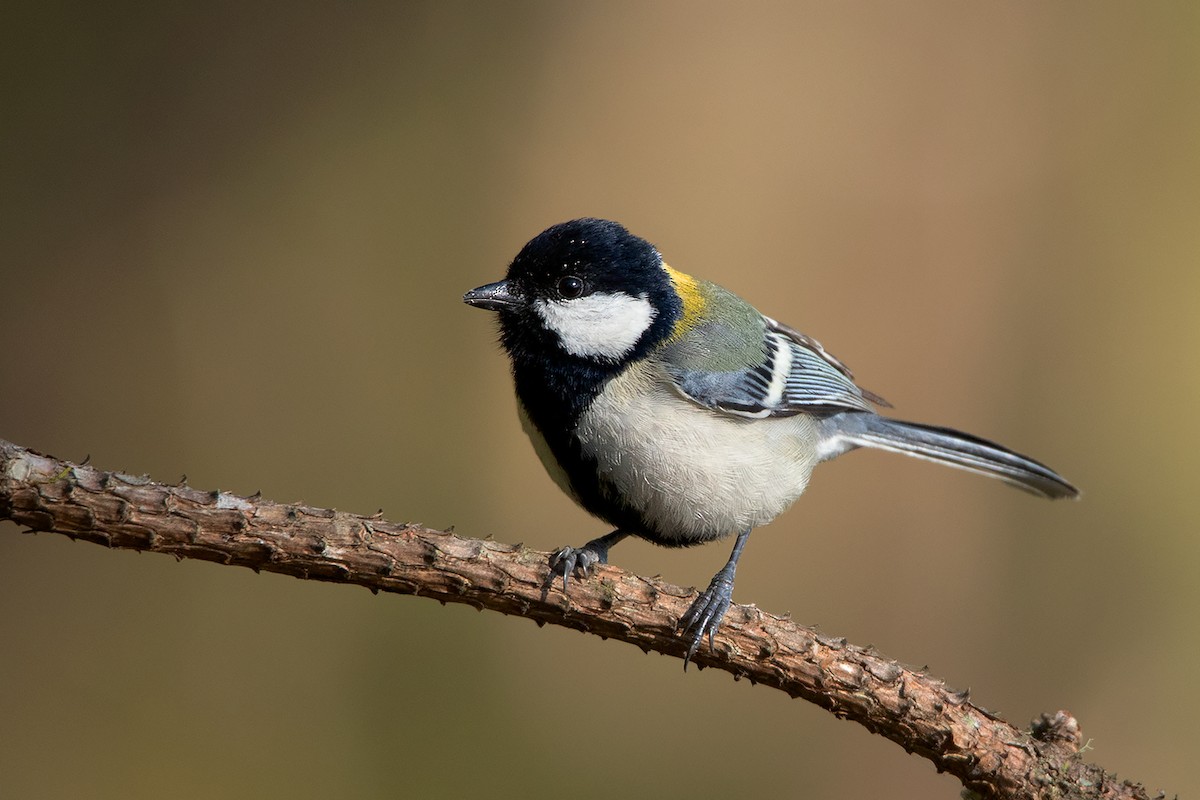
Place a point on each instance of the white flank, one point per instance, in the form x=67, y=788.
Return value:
x=601, y=325
x=694, y=474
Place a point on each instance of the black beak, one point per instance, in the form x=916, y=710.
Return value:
x=494, y=297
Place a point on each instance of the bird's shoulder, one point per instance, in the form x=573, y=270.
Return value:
x=726, y=355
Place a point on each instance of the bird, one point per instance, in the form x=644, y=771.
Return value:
x=677, y=413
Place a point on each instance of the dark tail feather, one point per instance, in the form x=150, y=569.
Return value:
x=947, y=446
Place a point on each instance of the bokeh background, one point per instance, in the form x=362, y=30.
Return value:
x=233, y=241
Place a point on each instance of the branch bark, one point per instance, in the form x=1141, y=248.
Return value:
x=917, y=711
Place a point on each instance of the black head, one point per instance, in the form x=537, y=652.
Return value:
x=586, y=290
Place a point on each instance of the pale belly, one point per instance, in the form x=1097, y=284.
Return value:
x=694, y=473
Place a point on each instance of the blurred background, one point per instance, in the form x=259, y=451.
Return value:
x=233, y=243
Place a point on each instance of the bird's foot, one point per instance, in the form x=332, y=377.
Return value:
x=705, y=615
x=578, y=561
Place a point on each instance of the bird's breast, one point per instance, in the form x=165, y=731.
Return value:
x=692, y=474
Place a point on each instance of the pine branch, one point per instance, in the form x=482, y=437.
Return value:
x=917, y=711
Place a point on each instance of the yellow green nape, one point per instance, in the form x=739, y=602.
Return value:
x=693, y=298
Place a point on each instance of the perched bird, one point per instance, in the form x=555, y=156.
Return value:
x=674, y=411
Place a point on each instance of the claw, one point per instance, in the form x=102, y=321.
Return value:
x=573, y=561
x=579, y=561
x=704, y=616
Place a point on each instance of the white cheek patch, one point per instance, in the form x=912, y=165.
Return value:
x=601, y=325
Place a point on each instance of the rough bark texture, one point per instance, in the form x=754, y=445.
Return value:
x=917, y=711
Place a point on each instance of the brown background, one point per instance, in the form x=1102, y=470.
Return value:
x=233, y=244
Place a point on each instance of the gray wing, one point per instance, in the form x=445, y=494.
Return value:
x=792, y=373
x=812, y=344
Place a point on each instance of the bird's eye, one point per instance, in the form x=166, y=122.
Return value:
x=570, y=287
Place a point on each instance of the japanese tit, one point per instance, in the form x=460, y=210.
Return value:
x=673, y=410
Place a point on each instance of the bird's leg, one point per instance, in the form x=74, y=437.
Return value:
x=580, y=560
x=704, y=617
